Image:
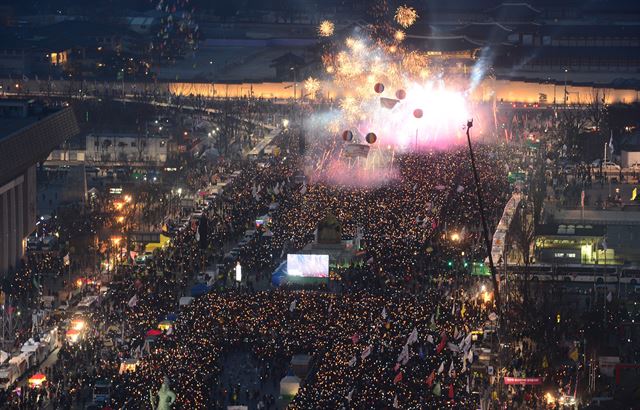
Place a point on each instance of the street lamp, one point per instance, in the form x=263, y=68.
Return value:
x=294, y=81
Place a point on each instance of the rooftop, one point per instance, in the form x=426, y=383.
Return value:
x=28, y=138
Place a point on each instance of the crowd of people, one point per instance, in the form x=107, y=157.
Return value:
x=398, y=332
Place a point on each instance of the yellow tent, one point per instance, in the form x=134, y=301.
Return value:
x=164, y=240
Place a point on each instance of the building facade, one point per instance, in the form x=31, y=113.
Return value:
x=27, y=135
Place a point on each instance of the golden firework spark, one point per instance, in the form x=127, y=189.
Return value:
x=399, y=35
x=326, y=28
x=311, y=85
x=414, y=62
x=406, y=16
x=349, y=105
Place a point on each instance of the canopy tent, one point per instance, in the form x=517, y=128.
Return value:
x=37, y=379
x=199, y=289
x=164, y=240
x=165, y=325
x=278, y=276
x=185, y=301
x=289, y=386
x=153, y=333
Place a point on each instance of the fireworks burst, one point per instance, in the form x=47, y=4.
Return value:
x=312, y=86
x=399, y=35
x=406, y=16
x=326, y=28
x=415, y=62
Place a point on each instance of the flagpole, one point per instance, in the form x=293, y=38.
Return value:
x=485, y=227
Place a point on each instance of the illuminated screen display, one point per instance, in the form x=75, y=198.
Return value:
x=310, y=266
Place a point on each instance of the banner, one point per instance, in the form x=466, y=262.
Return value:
x=532, y=381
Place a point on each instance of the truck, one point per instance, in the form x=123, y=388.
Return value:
x=9, y=374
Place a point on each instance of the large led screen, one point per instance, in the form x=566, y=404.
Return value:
x=310, y=266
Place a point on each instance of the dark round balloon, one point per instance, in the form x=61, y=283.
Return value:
x=347, y=136
x=379, y=87
x=417, y=113
x=401, y=94
x=371, y=138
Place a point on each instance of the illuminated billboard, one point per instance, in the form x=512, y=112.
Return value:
x=309, y=266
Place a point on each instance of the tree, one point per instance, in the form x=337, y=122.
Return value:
x=573, y=120
x=596, y=107
x=523, y=234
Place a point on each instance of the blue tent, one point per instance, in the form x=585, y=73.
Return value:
x=279, y=274
x=199, y=289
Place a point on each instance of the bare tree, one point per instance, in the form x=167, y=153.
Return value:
x=596, y=107
x=572, y=121
x=523, y=234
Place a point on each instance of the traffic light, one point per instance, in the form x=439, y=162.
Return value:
x=450, y=263
x=466, y=264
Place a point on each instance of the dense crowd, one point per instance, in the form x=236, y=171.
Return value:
x=396, y=333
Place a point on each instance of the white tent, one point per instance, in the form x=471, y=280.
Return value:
x=289, y=386
x=185, y=300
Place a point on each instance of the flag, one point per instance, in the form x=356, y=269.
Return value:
x=453, y=347
x=437, y=391
x=353, y=361
x=350, y=395
x=431, y=378
x=403, y=354
x=170, y=330
x=470, y=356
x=366, y=352
x=441, y=368
x=355, y=338
x=450, y=391
x=634, y=194
x=442, y=344
x=133, y=301
x=384, y=310
x=303, y=190
x=292, y=307
x=395, y=402
x=573, y=354
x=396, y=367
x=452, y=370
x=468, y=385
x=398, y=378
x=464, y=364
x=413, y=337
x=463, y=309
x=611, y=142
x=430, y=339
